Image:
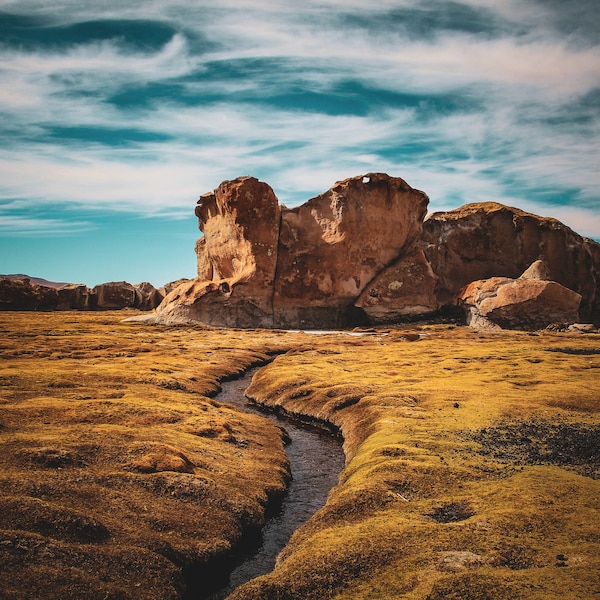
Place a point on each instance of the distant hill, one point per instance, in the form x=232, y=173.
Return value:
x=37, y=280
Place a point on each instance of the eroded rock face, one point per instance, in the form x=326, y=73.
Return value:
x=405, y=289
x=334, y=245
x=360, y=253
x=114, y=295
x=483, y=240
x=236, y=257
x=529, y=302
x=259, y=266
x=148, y=296
x=74, y=297
x=23, y=293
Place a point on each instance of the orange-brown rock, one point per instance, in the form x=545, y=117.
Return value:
x=148, y=296
x=360, y=253
x=114, y=295
x=334, y=245
x=259, y=266
x=483, y=240
x=405, y=289
x=528, y=302
x=22, y=294
x=74, y=297
x=236, y=259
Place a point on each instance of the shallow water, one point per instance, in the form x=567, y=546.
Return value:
x=316, y=460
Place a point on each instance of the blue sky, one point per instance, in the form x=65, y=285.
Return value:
x=116, y=116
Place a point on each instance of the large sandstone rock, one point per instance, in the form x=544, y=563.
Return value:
x=236, y=259
x=334, y=245
x=260, y=266
x=483, y=240
x=529, y=302
x=360, y=253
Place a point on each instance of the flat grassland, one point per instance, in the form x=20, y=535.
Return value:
x=472, y=460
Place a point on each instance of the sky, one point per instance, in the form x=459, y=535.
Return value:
x=115, y=116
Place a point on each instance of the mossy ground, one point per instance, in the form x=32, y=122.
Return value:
x=473, y=467
x=117, y=469
x=472, y=460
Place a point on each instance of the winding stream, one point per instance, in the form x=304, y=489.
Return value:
x=316, y=459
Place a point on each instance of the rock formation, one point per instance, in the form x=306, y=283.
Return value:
x=333, y=246
x=403, y=290
x=529, y=302
x=22, y=293
x=261, y=266
x=361, y=253
x=483, y=240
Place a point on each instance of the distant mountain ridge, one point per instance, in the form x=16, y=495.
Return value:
x=38, y=280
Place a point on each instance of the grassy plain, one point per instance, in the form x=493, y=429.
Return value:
x=473, y=466
x=472, y=460
x=118, y=473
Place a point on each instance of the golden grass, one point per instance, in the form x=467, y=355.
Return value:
x=472, y=470
x=472, y=460
x=117, y=469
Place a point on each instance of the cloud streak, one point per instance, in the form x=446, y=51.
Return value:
x=142, y=108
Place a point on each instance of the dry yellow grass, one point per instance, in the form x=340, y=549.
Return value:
x=472, y=460
x=472, y=471
x=117, y=470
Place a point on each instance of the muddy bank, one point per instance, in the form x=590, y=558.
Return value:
x=316, y=459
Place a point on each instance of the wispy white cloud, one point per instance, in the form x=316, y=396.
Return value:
x=501, y=143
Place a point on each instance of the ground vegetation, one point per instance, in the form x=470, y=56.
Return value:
x=472, y=462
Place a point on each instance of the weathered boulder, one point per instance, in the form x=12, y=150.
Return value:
x=483, y=240
x=169, y=287
x=73, y=297
x=334, y=245
x=526, y=303
x=149, y=297
x=236, y=256
x=403, y=290
x=115, y=295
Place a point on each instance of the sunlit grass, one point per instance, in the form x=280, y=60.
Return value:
x=423, y=509
x=472, y=460
x=113, y=423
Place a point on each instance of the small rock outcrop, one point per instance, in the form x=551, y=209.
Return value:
x=530, y=302
x=21, y=294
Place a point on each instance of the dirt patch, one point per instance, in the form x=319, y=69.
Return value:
x=535, y=442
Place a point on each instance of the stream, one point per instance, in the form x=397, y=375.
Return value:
x=316, y=459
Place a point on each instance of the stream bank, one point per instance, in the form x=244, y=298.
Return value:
x=316, y=460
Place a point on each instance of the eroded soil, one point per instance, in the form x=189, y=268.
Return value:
x=471, y=460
